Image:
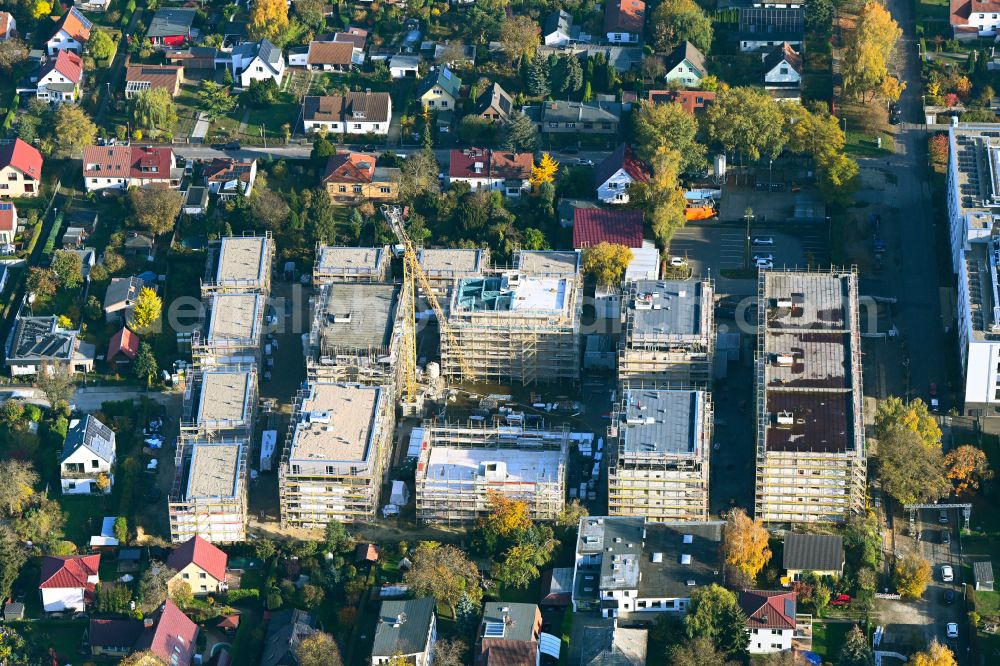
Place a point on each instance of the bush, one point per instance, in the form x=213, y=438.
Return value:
x=242, y=594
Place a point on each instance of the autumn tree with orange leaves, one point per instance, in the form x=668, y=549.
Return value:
x=507, y=515
x=744, y=545
x=967, y=467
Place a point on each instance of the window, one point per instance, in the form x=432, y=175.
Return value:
x=94, y=464
x=357, y=126
x=204, y=588
x=202, y=575
x=606, y=126
x=570, y=125
x=430, y=102
x=342, y=188
x=12, y=176
x=551, y=124
x=444, y=103
x=588, y=126
x=783, y=70
x=259, y=68
x=185, y=576
x=384, y=189
x=357, y=189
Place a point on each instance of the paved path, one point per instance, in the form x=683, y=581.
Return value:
x=200, y=127
x=90, y=398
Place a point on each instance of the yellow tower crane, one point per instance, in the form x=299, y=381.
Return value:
x=412, y=271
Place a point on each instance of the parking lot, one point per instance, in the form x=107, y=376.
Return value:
x=713, y=247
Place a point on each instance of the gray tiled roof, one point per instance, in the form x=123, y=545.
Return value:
x=393, y=637
x=813, y=552
x=444, y=78
x=687, y=51
x=518, y=620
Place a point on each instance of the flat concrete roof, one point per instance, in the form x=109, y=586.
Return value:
x=669, y=308
x=451, y=261
x=355, y=260
x=358, y=314
x=224, y=396
x=214, y=470
x=512, y=465
x=553, y=262
x=502, y=294
x=337, y=423
x=666, y=422
x=816, y=300
x=234, y=316
x=243, y=260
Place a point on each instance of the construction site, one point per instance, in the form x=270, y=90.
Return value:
x=659, y=455
x=668, y=334
x=810, y=455
x=443, y=266
x=239, y=264
x=232, y=334
x=209, y=495
x=461, y=465
x=351, y=264
x=219, y=403
x=336, y=454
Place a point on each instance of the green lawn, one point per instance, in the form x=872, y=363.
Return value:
x=272, y=117
x=860, y=144
x=988, y=604
x=828, y=637
x=84, y=514
x=63, y=636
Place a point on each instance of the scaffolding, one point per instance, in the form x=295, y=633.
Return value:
x=239, y=264
x=219, y=403
x=461, y=466
x=811, y=460
x=217, y=347
x=351, y=264
x=657, y=470
x=209, y=494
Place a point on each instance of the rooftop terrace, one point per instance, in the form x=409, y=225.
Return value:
x=512, y=293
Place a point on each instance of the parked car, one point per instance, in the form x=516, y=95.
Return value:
x=951, y=629
x=583, y=161
x=943, y=517
x=949, y=597
x=763, y=240
x=678, y=262
x=945, y=536
x=761, y=264
x=947, y=573
x=841, y=600
x=763, y=257
x=232, y=145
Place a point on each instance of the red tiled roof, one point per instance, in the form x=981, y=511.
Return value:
x=349, y=168
x=68, y=572
x=8, y=216
x=123, y=342
x=75, y=24
x=510, y=166
x=355, y=39
x=158, y=76
x=229, y=621
x=494, y=164
x=500, y=652
x=173, y=636
x=22, y=156
x=330, y=53
x=225, y=169
x=768, y=610
x=690, y=100
x=127, y=161
x=5, y=18
x=624, y=16
x=66, y=63
x=960, y=10
x=366, y=552
x=200, y=552
x=622, y=158
x=612, y=225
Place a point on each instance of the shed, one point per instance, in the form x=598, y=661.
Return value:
x=557, y=586
x=983, y=573
x=13, y=611
x=128, y=560
x=106, y=539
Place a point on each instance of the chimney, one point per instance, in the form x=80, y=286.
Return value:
x=147, y=623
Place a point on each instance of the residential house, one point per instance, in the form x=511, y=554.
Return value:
x=509, y=634
x=67, y=583
x=330, y=56
x=405, y=628
x=87, y=463
x=616, y=173
x=494, y=104
x=200, y=564
x=440, y=90
x=298, y=56
x=783, y=68
x=485, y=169
x=284, y=631
x=458, y=55
x=557, y=29
x=770, y=620
x=195, y=200
x=120, y=298
x=352, y=113
x=686, y=65
x=404, y=66
x=38, y=342
x=822, y=554
x=139, y=244
x=357, y=38
x=20, y=170
x=8, y=26
x=72, y=32
x=167, y=632
x=561, y=117
x=198, y=58
x=690, y=100
x=592, y=226
x=257, y=61
x=122, y=348
x=150, y=77
x=557, y=587
x=171, y=26
x=599, y=642
x=763, y=28
x=982, y=573
x=624, y=21
x=352, y=178
x=59, y=79
x=974, y=18
x=230, y=177
x=123, y=167
x=8, y=223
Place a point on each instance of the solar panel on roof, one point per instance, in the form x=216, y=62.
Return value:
x=493, y=630
x=789, y=607
x=446, y=73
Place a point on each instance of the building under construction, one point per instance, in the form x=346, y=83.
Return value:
x=810, y=428
x=335, y=455
x=668, y=334
x=460, y=466
x=443, y=266
x=232, y=330
x=659, y=455
x=209, y=494
x=351, y=264
x=239, y=264
x=220, y=402
x=549, y=263
x=514, y=326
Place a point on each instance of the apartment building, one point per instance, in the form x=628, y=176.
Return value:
x=232, y=331
x=239, y=264
x=209, y=494
x=350, y=264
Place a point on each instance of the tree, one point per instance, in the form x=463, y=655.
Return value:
x=893, y=412
x=912, y=575
x=154, y=109
x=322, y=149
x=862, y=536
x=715, y=613
x=545, y=171
x=819, y=17
x=41, y=281
x=519, y=564
x=747, y=121
x=40, y=8
x=12, y=558
x=144, y=658
x=181, y=594
x=698, y=652
x=506, y=515
x=13, y=52
x=268, y=19
x=571, y=514
x=100, y=46
x=911, y=472
x=155, y=209
x=519, y=37
x=744, y=544
x=11, y=413
x=538, y=76
x=73, y=129
x=868, y=50
x=264, y=548
x=114, y=597
x=68, y=269
x=967, y=466
x=668, y=126
x=606, y=262
x=572, y=75
x=319, y=649
x=856, y=650
x=662, y=195
x=445, y=573
x=153, y=585
x=321, y=225
x=215, y=99
x=674, y=21
x=113, y=261
x=121, y=529
x=260, y=94
x=42, y=524
x=518, y=133
x=419, y=175
x=337, y=539
x=145, y=365
x=935, y=655
x=311, y=596
x=450, y=652
x=147, y=310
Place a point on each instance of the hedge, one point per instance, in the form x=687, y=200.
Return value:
x=242, y=594
x=50, y=242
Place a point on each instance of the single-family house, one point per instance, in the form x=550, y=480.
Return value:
x=87, y=463
x=8, y=222
x=171, y=26
x=139, y=244
x=150, y=77
x=557, y=28
x=440, y=90
x=123, y=347
x=20, y=170
x=200, y=564
x=60, y=78
x=974, y=18
x=982, y=573
x=352, y=178
x=357, y=38
x=405, y=628
x=257, y=61
x=120, y=298
x=484, y=169
x=763, y=28
x=686, y=65
x=8, y=26
x=198, y=58
x=351, y=113
x=494, y=104
x=563, y=117
x=592, y=226
x=195, y=200
x=616, y=173
x=404, y=66
x=38, y=342
x=624, y=21
x=298, y=56
x=457, y=55
x=770, y=620
x=230, y=177
x=284, y=631
x=690, y=100
x=67, y=583
x=72, y=32
x=783, y=68
x=123, y=167
x=331, y=56
x=509, y=634
x=822, y=554
x=167, y=632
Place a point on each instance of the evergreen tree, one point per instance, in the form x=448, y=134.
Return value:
x=538, y=76
x=572, y=79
